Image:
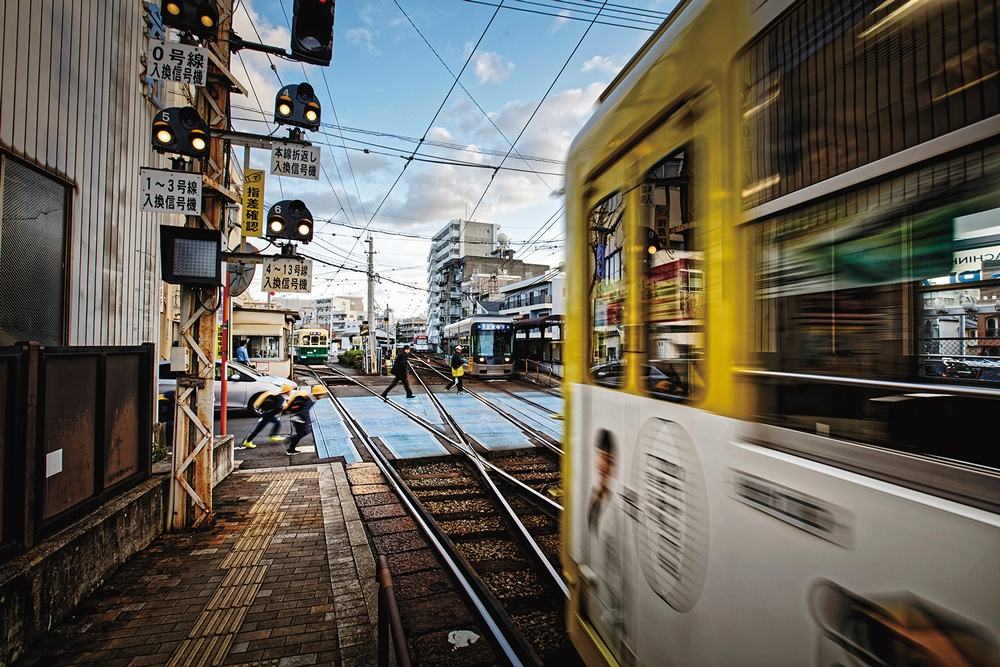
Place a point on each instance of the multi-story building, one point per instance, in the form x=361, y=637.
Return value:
x=336, y=312
x=456, y=240
x=409, y=327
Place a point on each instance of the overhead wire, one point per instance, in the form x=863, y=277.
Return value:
x=561, y=15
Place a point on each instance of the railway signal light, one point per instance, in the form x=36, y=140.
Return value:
x=652, y=241
x=312, y=31
x=290, y=219
x=198, y=17
x=180, y=130
x=297, y=105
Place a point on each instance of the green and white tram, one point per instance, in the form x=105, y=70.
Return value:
x=311, y=345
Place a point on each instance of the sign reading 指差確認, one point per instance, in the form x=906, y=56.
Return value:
x=253, y=202
x=169, y=61
x=166, y=191
x=296, y=161
x=287, y=274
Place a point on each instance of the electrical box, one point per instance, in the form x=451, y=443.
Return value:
x=180, y=359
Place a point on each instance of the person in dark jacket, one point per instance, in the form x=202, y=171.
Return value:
x=457, y=370
x=399, y=372
x=269, y=404
x=299, y=408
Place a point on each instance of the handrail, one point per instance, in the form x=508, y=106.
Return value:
x=958, y=390
x=389, y=620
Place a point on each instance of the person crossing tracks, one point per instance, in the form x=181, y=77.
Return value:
x=300, y=408
x=400, y=369
x=457, y=370
x=269, y=404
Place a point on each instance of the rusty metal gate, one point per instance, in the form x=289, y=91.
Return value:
x=75, y=431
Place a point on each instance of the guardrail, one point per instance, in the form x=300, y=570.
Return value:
x=75, y=431
x=543, y=372
x=389, y=620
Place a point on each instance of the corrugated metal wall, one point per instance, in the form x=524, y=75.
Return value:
x=71, y=104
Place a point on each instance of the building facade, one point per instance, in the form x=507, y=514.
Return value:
x=456, y=240
x=80, y=258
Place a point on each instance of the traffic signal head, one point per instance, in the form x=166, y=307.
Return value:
x=290, y=219
x=180, y=130
x=297, y=105
x=652, y=241
x=312, y=31
x=198, y=17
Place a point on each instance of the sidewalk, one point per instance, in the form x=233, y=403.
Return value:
x=276, y=581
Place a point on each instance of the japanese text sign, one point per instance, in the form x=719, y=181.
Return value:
x=166, y=191
x=295, y=161
x=168, y=61
x=287, y=274
x=253, y=202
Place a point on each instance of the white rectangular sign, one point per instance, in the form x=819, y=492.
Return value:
x=295, y=161
x=287, y=274
x=168, y=61
x=166, y=191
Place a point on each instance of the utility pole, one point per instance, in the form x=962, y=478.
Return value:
x=372, y=357
x=190, y=501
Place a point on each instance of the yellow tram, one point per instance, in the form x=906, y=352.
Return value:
x=782, y=350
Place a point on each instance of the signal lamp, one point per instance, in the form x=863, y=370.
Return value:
x=290, y=219
x=312, y=31
x=297, y=105
x=198, y=17
x=652, y=241
x=180, y=130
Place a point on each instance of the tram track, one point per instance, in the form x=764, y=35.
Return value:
x=500, y=547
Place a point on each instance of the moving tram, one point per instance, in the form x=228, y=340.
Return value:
x=311, y=345
x=783, y=269
x=487, y=342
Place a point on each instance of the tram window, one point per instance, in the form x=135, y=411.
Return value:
x=607, y=287
x=886, y=80
x=897, y=281
x=674, y=281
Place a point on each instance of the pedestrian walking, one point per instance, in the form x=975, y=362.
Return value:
x=242, y=355
x=269, y=405
x=400, y=367
x=300, y=408
x=457, y=370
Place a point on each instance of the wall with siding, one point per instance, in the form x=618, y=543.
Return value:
x=72, y=104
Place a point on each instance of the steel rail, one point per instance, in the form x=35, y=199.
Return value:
x=546, y=441
x=465, y=449
x=507, y=638
x=513, y=520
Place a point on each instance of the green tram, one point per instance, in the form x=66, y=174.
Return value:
x=310, y=345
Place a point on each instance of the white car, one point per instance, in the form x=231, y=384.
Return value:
x=245, y=384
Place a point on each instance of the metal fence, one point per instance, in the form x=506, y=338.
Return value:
x=75, y=431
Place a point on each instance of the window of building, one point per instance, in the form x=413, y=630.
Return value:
x=32, y=254
x=266, y=347
x=674, y=286
x=607, y=289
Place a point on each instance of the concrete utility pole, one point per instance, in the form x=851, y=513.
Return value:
x=372, y=357
x=194, y=437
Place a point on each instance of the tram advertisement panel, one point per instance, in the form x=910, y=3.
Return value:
x=698, y=547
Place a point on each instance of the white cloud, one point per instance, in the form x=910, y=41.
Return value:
x=559, y=21
x=491, y=67
x=365, y=38
x=608, y=64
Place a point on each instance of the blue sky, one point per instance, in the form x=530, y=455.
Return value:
x=384, y=78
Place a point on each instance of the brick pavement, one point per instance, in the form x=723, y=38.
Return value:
x=276, y=581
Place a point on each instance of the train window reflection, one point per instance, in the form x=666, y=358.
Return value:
x=607, y=290
x=674, y=280
x=896, y=281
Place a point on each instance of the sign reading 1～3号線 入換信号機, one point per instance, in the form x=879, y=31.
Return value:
x=167, y=191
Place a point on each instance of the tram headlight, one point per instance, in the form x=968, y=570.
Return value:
x=482, y=360
x=506, y=360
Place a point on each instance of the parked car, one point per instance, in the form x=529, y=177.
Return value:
x=658, y=380
x=245, y=384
